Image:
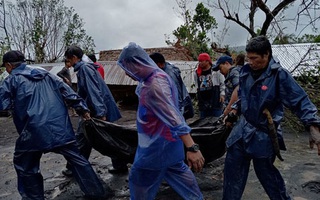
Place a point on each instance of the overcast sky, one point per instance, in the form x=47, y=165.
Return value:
x=115, y=23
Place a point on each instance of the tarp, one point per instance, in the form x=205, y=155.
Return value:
x=111, y=139
x=120, y=142
x=211, y=134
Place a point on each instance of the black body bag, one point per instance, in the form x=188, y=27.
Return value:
x=111, y=140
x=121, y=142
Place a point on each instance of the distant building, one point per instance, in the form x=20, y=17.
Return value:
x=296, y=58
x=170, y=53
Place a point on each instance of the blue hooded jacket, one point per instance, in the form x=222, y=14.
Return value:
x=40, y=114
x=274, y=89
x=159, y=121
x=93, y=89
x=231, y=82
x=183, y=95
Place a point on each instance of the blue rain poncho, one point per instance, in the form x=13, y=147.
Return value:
x=159, y=121
x=231, y=82
x=40, y=116
x=93, y=89
x=274, y=89
x=185, y=102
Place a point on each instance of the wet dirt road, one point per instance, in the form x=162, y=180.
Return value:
x=300, y=169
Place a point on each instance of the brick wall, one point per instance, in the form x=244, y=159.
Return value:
x=170, y=53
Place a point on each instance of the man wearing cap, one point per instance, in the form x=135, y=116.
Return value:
x=40, y=115
x=210, y=88
x=231, y=73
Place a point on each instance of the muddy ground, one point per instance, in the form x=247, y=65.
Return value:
x=301, y=171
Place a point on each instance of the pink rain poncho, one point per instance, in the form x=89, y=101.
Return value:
x=159, y=121
x=160, y=152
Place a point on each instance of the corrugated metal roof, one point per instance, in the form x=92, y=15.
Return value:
x=297, y=58
x=114, y=75
x=54, y=68
x=187, y=68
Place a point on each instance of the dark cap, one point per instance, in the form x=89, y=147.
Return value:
x=221, y=60
x=13, y=56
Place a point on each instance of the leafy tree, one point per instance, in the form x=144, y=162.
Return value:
x=43, y=28
x=193, y=33
x=286, y=39
x=291, y=39
x=308, y=38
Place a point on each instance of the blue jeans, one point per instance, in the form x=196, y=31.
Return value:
x=236, y=169
x=144, y=183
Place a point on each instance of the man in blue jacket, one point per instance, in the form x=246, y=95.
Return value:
x=231, y=74
x=264, y=89
x=37, y=99
x=185, y=101
x=93, y=89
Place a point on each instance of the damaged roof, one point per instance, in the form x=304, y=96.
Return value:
x=298, y=58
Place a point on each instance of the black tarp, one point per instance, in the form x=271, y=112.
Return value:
x=118, y=141
x=211, y=134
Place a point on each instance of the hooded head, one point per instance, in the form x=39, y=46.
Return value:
x=136, y=62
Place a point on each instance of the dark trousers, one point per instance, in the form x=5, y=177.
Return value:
x=236, y=169
x=82, y=144
x=30, y=180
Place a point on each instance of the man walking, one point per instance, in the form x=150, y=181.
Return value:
x=162, y=132
x=93, y=89
x=43, y=124
x=231, y=74
x=264, y=89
